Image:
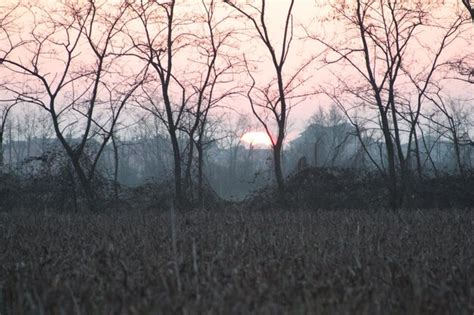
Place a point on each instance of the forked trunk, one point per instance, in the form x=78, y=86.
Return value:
x=88, y=191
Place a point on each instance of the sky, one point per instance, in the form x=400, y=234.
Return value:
x=305, y=13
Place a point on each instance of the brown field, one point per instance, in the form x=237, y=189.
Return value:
x=234, y=261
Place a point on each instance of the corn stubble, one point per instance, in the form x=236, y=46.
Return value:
x=237, y=261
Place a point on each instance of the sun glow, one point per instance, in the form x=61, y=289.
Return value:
x=257, y=138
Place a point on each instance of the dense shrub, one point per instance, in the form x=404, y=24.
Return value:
x=338, y=188
x=52, y=185
x=446, y=191
x=48, y=182
x=325, y=188
x=10, y=191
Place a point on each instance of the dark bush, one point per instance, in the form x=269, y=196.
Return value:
x=10, y=191
x=48, y=182
x=155, y=196
x=337, y=188
x=325, y=188
x=446, y=191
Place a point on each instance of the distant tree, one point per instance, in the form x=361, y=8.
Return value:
x=148, y=153
x=234, y=129
x=330, y=132
x=452, y=120
x=5, y=108
x=8, y=14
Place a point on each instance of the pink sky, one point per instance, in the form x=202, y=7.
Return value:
x=305, y=12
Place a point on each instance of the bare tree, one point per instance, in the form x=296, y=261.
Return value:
x=72, y=90
x=185, y=95
x=265, y=101
x=158, y=47
x=213, y=84
x=385, y=32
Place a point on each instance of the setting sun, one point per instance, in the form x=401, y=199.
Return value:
x=257, y=138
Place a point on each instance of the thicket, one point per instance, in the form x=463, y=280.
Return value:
x=54, y=187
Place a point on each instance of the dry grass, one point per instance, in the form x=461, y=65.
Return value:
x=234, y=261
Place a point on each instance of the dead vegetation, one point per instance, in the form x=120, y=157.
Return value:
x=235, y=261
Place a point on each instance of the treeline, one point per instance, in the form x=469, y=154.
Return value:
x=164, y=79
x=326, y=166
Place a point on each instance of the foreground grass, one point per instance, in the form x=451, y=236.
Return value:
x=238, y=262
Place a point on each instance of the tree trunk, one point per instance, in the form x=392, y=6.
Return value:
x=281, y=132
x=428, y=153
x=177, y=169
x=116, y=169
x=89, y=193
x=392, y=185
x=72, y=178
x=188, y=173
x=392, y=178
x=10, y=145
x=457, y=152
x=417, y=155
x=1, y=152
x=404, y=171
x=200, y=174
x=278, y=170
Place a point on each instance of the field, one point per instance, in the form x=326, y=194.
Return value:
x=237, y=261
